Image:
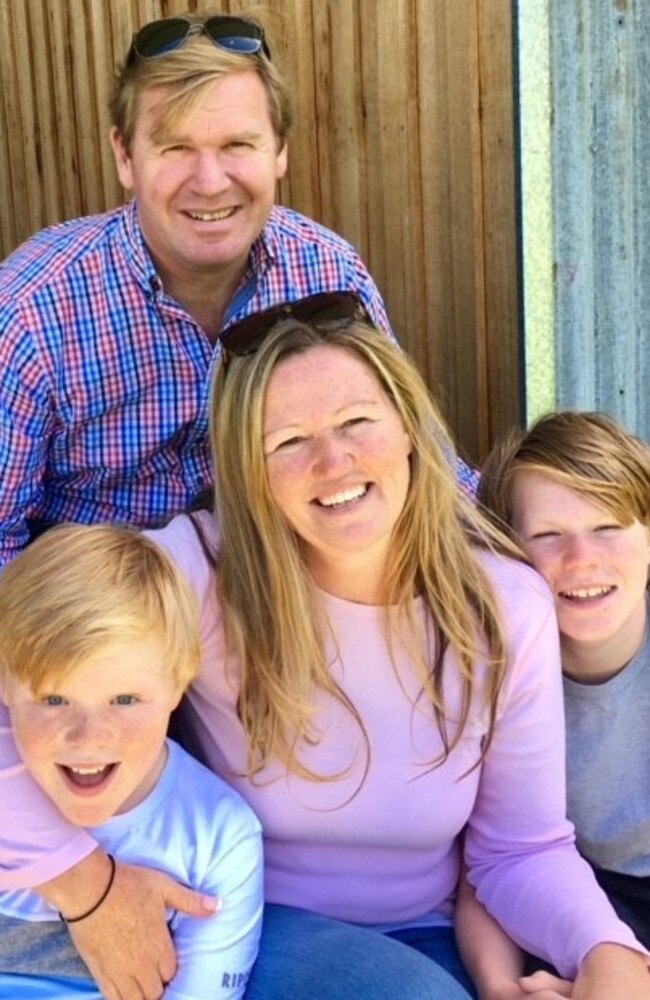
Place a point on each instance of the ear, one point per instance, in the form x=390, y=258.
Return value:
x=177, y=698
x=122, y=159
x=281, y=163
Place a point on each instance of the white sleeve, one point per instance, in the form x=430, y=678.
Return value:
x=216, y=954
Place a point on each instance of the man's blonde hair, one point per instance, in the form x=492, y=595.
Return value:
x=274, y=619
x=78, y=591
x=185, y=74
x=588, y=452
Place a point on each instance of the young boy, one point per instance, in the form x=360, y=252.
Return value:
x=574, y=491
x=99, y=640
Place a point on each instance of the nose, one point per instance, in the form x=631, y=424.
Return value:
x=579, y=551
x=88, y=727
x=333, y=454
x=209, y=176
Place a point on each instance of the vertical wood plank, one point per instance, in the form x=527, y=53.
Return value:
x=10, y=232
x=497, y=155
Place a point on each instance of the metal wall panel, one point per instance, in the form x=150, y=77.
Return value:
x=600, y=52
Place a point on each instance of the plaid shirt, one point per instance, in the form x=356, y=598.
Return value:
x=105, y=378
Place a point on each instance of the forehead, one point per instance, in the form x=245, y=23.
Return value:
x=236, y=99
x=323, y=376
x=137, y=663
x=536, y=496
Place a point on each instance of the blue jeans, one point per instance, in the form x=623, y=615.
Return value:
x=304, y=956
x=17, y=987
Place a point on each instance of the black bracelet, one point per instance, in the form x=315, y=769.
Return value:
x=75, y=920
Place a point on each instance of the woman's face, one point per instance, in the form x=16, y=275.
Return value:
x=596, y=567
x=337, y=456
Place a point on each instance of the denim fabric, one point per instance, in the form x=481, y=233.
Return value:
x=304, y=956
x=16, y=987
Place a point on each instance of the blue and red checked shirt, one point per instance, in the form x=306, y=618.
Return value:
x=105, y=378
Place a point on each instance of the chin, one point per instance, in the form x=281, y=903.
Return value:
x=87, y=817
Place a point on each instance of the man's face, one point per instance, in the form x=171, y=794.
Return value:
x=204, y=190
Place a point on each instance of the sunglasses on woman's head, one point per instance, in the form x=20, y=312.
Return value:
x=331, y=309
x=234, y=34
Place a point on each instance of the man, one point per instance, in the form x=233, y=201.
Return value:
x=109, y=324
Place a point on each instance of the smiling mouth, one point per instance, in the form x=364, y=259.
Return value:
x=219, y=216
x=582, y=595
x=87, y=777
x=344, y=497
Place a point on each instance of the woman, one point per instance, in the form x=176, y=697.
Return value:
x=574, y=490
x=376, y=681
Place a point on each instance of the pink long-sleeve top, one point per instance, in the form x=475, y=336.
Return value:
x=385, y=850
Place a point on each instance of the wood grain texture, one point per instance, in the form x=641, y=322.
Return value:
x=403, y=143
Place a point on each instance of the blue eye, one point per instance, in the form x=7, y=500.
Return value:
x=53, y=700
x=125, y=699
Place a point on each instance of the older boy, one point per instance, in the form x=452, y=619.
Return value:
x=574, y=491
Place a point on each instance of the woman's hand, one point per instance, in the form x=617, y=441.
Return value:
x=545, y=986
x=126, y=943
x=541, y=986
x=610, y=972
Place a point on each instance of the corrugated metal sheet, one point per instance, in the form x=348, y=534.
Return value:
x=600, y=52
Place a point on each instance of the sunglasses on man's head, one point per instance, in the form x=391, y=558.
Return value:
x=330, y=309
x=234, y=34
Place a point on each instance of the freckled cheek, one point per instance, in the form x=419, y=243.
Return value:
x=542, y=563
x=286, y=477
x=37, y=744
x=161, y=184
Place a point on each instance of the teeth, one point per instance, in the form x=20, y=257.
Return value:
x=345, y=496
x=211, y=216
x=88, y=770
x=584, y=593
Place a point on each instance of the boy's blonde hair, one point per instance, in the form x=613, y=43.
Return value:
x=588, y=452
x=186, y=74
x=78, y=591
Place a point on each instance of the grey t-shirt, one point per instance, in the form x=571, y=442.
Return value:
x=608, y=766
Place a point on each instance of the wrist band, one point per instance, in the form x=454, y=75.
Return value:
x=111, y=879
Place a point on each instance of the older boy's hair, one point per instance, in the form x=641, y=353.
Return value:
x=588, y=452
x=79, y=591
x=185, y=75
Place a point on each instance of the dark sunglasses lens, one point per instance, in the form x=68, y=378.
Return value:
x=159, y=37
x=246, y=336
x=325, y=307
x=328, y=307
x=235, y=35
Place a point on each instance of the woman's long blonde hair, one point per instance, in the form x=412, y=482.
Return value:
x=274, y=620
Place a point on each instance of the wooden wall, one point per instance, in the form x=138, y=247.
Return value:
x=403, y=143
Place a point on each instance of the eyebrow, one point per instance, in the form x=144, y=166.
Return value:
x=158, y=135
x=337, y=413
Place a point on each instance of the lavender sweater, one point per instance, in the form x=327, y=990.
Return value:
x=389, y=854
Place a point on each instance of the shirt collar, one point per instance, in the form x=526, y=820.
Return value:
x=136, y=250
